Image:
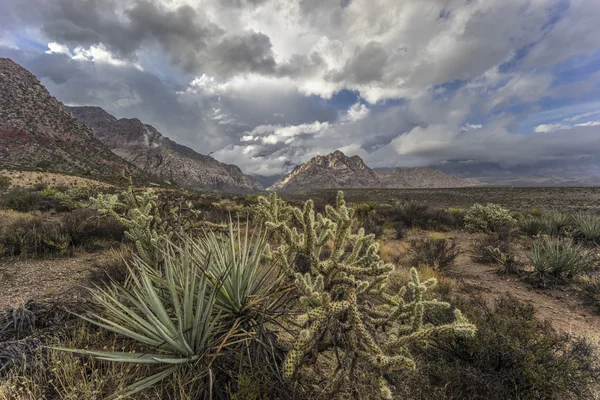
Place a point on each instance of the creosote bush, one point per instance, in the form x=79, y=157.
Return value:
x=513, y=355
x=345, y=303
x=497, y=248
x=33, y=236
x=488, y=218
x=436, y=251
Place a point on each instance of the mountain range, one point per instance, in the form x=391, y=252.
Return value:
x=146, y=148
x=336, y=170
x=39, y=132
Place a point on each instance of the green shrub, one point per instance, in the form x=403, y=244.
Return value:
x=557, y=261
x=416, y=215
x=587, y=227
x=435, y=251
x=34, y=237
x=533, y=226
x=497, y=248
x=512, y=356
x=88, y=229
x=27, y=200
x=5, y=183
x=488, y=218
x=556, y=223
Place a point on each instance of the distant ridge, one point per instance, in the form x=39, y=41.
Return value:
x=146, y=148
x=38, y=131
x=336, y=170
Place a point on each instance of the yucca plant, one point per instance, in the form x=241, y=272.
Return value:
x=587, y=227
x=560, y=260
x=533, y=226
x=556, y=222
x=235, y=263
x=250, y=290
x=170, y=310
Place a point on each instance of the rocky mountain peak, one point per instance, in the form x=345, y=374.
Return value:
x=145, y=147
x=37, y=130
x=336, y=170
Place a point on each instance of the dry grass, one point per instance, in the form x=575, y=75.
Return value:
x=57, y=374
x=29, y=179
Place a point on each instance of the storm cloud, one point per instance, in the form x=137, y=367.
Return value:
x=267, y=84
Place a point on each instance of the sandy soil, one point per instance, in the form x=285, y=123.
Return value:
x=24, y=279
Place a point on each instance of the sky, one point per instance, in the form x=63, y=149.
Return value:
x=476, y=87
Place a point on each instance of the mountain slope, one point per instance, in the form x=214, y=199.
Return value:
x=336, y=170
x=37, y=130
x=147, y=149
x=422, y=178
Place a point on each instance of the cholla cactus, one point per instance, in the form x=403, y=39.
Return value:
x=140, y=217
x=342, y=284
x=489, y=218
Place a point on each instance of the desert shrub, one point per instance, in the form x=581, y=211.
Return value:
x=556, y=223
x=497, y=248
x=374, y=224
x=436, y=251
x=416, y=215
x=113, y=268
x=88, y=229
x=587, y=227
x=5, y=183
x=370, y=220
x=557, y=261
x=458, y=217
x=21, y=329
x=533, y=226
x=513, y=355
x=34, y=236
x=343, y=298
x=488, y=218
x=400, y=230
x=591, y=291
x=27, y=200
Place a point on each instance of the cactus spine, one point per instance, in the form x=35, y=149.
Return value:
x=342, y=286
x=138, y=213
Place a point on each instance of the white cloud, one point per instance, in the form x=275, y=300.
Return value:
x=357, y=112
x=589, y=123
x=581, y=116
x=95, y=53
x=550, y=127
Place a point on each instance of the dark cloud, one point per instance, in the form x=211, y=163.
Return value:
x=367, y=65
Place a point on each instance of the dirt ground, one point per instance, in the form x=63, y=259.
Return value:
x=25, y=279
x=561, y=306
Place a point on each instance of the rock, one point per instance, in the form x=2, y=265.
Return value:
x=38, y=131
x=146, y=148
x=336, y=170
